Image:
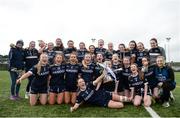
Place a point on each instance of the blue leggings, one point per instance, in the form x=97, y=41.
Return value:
x=14, y=87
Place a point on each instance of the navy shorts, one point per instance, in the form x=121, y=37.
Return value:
x=38, y=90
x=126, y=84
x=71, y=88
x=107, y=96
x=56, y=89
x=109, y=86
x=120, y=86
x=141, y=93
x=151, y=87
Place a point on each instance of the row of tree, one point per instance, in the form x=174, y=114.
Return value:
x=3, y=59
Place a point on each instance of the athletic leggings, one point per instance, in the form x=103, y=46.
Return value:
x=167, y=87
x=14, y=87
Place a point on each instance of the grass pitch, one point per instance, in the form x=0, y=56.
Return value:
x=22, y=108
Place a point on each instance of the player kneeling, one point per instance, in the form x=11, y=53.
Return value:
x=40, y=81
x=57, y=82
x=139, y=87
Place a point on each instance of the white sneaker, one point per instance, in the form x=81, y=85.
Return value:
x=172, y=98
x=166, y=104
x=26, y=95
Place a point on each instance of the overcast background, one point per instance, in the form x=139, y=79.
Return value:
x=117, y=21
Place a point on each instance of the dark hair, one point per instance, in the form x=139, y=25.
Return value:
x=96, y=57
x=70, y=41
x=73, y=44
x=154, y=39
x=100, y=54
x=32, y=42
x=82, y=43
x=20, y=42
x=134, y=43
x=146, y=58
x=141, y=44
x=122, y=45
x=61, y=46
x=92, y=46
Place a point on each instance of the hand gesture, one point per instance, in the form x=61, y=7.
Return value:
x=18, y=81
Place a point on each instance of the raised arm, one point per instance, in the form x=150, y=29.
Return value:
x=24, y=76
x=99, y=79
x=98, y=85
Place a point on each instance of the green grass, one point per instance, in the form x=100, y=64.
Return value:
x=22, y=107
x=174, y=110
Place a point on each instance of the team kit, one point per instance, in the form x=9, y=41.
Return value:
x=97, y=76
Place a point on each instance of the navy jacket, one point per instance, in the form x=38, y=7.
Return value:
x=16, y=58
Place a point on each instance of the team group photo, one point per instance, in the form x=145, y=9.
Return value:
x=115, y=69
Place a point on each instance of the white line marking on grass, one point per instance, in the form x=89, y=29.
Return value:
x=177, y=86
x=152, y=112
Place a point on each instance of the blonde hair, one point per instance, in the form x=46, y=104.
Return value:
x=39, y=64
x=163, y=59
x=160, y=57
